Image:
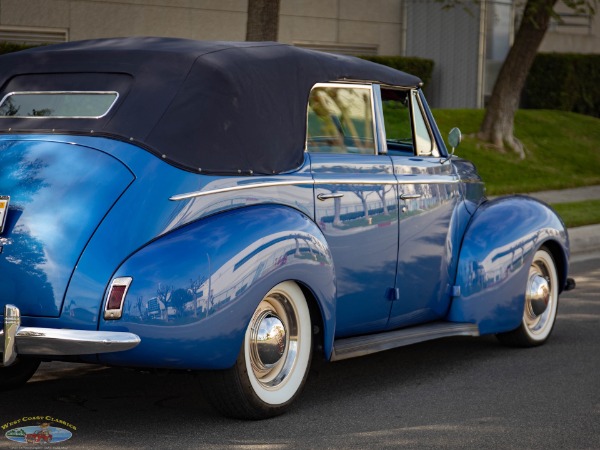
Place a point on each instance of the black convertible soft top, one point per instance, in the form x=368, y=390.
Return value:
x=214, y=107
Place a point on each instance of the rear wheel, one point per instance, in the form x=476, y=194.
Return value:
x=541, y=303
x=18, y=373
x=273, y=362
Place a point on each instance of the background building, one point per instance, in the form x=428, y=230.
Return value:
x=467, y=46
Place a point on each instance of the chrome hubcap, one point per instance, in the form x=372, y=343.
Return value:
x=537, y=297
x=538, y=293
x=273, y=341
x=268, y=341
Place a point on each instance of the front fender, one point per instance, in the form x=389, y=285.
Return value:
x=496, y=253
x=194, y=290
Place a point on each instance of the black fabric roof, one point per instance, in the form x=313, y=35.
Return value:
x=217, y=107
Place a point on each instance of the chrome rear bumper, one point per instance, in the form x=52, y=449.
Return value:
x=15, y=339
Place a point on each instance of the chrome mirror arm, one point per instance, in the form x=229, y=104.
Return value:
x=449, y=157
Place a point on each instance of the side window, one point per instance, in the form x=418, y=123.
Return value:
x=340, y=120
x=406, y=130
x=396, y=118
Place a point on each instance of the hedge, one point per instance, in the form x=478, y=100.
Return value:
x=419, y=67
x=9, y=47
x=565, y=82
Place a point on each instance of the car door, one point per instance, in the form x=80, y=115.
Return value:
x=355, y=203
x=429, y=197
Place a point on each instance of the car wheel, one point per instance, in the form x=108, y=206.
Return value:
x=541, y=303
x=18, y=373
x=273, y=362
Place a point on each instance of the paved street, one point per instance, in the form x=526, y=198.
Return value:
x=456, y=393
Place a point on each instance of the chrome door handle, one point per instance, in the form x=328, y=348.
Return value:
x=409, y=196
x=324, y=197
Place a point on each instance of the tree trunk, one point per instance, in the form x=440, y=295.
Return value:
x=498, y=123
x=263, y=20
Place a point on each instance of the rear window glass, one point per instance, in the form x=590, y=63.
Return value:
x=58, y=104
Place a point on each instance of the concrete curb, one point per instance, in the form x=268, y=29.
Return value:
x=584, y=239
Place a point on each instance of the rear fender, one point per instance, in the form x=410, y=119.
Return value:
x=194, y=290
x=496, y=253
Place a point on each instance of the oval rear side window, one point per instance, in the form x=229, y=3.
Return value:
x=58, y=104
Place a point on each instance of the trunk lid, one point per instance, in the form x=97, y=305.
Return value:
x=59, y=194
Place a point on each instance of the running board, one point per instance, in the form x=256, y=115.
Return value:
x=364, y=345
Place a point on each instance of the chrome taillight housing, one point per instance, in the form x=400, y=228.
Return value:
x=113, y=308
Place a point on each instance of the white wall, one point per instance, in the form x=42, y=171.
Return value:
x=579, y=38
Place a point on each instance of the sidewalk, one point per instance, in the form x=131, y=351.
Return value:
x=568, y=195
x=584, y=239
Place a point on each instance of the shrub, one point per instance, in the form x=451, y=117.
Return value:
x=419, y=67
x=9, y=47
x=565, y=82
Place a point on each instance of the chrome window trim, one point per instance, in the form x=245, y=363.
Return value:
x=347, y=85
x=409, y=92
x=342, y=84
x=425, y=179
x=379, y=121
x=374, y=122
x=57, y=93
x=415, y=101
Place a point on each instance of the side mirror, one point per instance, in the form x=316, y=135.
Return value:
x=454, y=138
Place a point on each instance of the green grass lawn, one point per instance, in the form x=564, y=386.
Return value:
x=577, y=214
x=563, y=150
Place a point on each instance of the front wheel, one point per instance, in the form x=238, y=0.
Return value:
x=541, y=303
x=273, y=362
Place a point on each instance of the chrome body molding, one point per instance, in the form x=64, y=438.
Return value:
x=402, y=180
x=241, y=187
x=364, y=345
x=60, y=342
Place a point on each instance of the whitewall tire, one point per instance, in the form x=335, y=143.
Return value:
x=541, y=303
x=274, y=360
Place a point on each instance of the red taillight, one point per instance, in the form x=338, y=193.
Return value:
x=117, y=295
x=116, y=298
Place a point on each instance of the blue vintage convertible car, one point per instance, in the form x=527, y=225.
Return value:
x=242, y=208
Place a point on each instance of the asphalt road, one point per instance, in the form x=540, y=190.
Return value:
x=453, y=393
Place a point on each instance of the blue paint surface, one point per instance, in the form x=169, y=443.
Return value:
x=59, y=193
x=85, y=210
x=495, y=257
